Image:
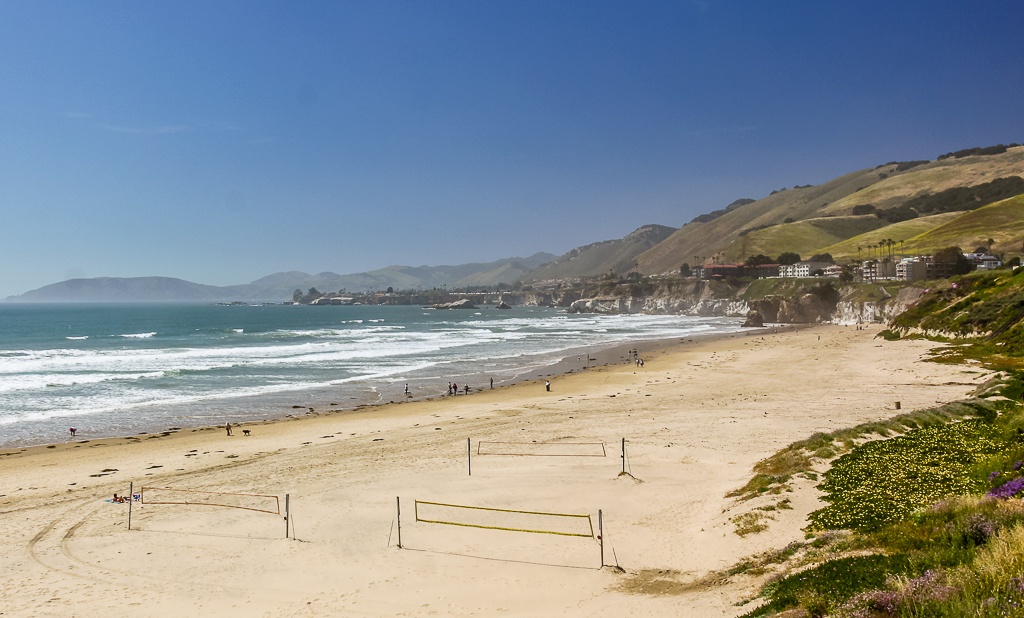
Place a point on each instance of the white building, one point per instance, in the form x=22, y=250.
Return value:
x=983, y=261
x=802, y=269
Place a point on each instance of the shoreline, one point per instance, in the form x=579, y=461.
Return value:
x=611, y=353
x=696, y=419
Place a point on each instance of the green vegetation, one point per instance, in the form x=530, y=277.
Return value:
x=885, y=481
x=1002, y=221
x=984, y=309
x=970, y=152
x=804, y=237
x=955, y=199
x=914, y=503
x=928, y=501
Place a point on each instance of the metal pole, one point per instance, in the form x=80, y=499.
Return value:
x=398, y=503
x=131, y=498
x=623, y=454
x=469, y=454
x=287, y=512
x=600, y=533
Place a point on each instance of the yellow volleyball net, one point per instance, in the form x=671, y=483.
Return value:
x=541, y=449
x=262, y=503
x=564, y=524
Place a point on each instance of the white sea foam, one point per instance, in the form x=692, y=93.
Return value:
x=82, y=338
x=204, y=369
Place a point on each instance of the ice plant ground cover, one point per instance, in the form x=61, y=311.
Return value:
x=937, y=509
x=885, y=481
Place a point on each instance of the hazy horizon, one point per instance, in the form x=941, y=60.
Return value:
x=220, y=143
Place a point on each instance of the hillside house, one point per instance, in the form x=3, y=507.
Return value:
x=803, y=269
x=983, y=261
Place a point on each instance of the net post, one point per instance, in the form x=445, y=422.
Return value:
x=131, y=498
x=398, y=518
x=600, y=533
x=287, y=513
x=623, y=455
x=469, y=455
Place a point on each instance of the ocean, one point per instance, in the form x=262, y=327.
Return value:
x=124, y=369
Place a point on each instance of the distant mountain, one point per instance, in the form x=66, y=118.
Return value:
x=598, y=258
x=118, y=289
x=508, y=270
x=280, y=286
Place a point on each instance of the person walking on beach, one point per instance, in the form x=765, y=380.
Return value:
x=72, y=430
x=455, y=388
x=547, y=385
x=228, y=428
x=492, y=383
x=406, y=389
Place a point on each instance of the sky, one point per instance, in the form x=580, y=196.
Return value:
x=220, y=142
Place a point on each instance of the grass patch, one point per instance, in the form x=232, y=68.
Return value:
x=827, y=586
x=750, y=523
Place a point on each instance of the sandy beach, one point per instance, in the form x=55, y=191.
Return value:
x=695, y=418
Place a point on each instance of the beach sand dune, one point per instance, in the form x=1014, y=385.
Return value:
x=696, y=419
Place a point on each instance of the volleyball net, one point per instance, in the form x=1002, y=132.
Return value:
x=564, y=524
x=542, y=449
x=262, y=503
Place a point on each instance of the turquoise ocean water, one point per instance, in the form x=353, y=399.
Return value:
x=111, y=370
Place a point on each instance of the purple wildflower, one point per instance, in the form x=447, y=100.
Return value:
x=979, y=529
x=993, y=474
x=1018, y=465
x=930, y=587
x=1008, y=489
x=1015, y=586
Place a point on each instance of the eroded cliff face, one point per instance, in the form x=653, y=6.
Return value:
x=800, y=308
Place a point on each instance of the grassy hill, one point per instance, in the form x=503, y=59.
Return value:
x=930, y=177
x=1002, y=221
x=598, y=258
x=704, y=240
x=803, y=237
x=820, y=219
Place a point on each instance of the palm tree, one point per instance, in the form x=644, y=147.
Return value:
x=858, y=253
x=901, y=248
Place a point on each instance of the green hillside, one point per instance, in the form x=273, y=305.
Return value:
x=1002, y=221
x=818, y=219
x=803, y=237
x=904, y=230
x=714, y=237
x=931, y=177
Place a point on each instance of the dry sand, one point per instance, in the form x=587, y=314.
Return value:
x=696, y=418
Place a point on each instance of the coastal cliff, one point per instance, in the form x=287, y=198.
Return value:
x=791, y=302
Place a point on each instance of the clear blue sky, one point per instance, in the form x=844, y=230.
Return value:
x=223, y=141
